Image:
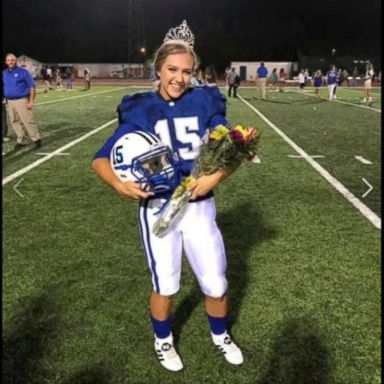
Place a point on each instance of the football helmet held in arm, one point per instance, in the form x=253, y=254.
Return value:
x=141, y=157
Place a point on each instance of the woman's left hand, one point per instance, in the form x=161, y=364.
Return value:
x=205, y=183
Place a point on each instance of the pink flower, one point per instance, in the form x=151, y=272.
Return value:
x=236, y=135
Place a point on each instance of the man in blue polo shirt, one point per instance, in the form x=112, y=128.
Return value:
x=261, y=80
x=19, y=92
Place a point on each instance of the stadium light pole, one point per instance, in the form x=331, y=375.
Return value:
x=143, y=51
x=334, y=57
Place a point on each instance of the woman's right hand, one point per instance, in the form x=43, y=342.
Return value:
x=132, y=190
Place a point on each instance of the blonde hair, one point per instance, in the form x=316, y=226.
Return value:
x=173, y=48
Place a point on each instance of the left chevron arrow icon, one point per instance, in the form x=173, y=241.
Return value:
x=15, y=187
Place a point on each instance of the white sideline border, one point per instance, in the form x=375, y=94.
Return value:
x=78, y=96
x=364, y=210
x=36, y=163
x=336, y=101
x=356, y=90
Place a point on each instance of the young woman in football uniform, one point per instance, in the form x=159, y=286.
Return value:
x=180, y=116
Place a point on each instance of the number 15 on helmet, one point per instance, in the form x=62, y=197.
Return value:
x=141, y=157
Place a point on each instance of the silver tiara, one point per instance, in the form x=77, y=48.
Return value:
x=182, y=33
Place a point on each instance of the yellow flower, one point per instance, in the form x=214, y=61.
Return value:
x=218, y=132
x=221, y=128
x=214, y=135
x=186, y=181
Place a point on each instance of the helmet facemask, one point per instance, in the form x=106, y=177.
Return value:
x=141, y=157
x=157, y=169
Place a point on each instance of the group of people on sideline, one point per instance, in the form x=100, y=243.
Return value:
x=336, y=77
x=19, y=98
x=53, y=78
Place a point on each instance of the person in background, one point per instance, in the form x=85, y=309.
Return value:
x=227, y=72
x=301, y=79
x=87, y=79
x=153, y=77
x=200, y=76
x=6, y=139
x=58, y=79
x=50, y=77
x=33, y=73
x=19, y=90
x=281, y=79
x=194, y=82
x=210, y=76
x=331, y=81
x=369, y=73
x=68, y=78
x=338, y=82
x=261, y=81
x=317, y=81
x=344, y=78
x=355, y=75
x=233, y=82
x=46, y=79
x=274, y=79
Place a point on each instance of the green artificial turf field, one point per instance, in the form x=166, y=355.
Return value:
x=303, y=262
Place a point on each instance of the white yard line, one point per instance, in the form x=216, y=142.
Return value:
x=300, y=157
x=364, y=210
x=362, y=159
x=360, y=91
x=71, y=98
x=36, y=163
x=338, y=101
x=79, y=96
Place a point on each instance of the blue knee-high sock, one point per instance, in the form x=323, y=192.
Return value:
x=162, y=328
x=218, y=325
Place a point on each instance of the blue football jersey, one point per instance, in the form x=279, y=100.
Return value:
x=180, y=123
x=331, y=77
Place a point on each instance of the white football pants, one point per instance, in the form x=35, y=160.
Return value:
x=198, y=234
x=331, y=88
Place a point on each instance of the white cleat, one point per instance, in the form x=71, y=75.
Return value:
x=228, y=348
x=167, y=355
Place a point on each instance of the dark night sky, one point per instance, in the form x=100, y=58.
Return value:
x=225, y=30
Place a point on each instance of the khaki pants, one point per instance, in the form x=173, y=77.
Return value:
x=22, y=120
x=261, y=86
x=47, y=85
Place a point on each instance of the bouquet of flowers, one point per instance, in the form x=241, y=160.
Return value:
x=225, y=148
